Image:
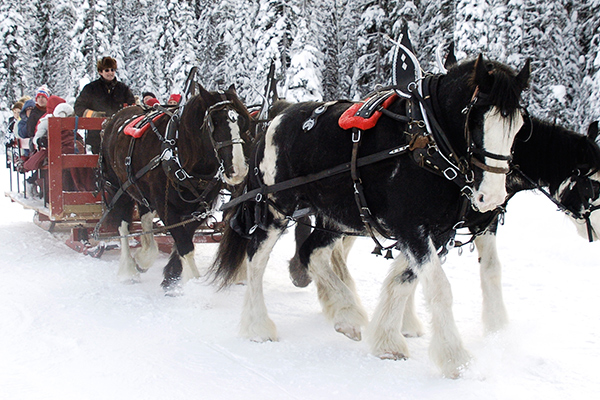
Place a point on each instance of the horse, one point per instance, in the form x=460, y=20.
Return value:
x=302, y=162
x=201, y=145
x=544, y=155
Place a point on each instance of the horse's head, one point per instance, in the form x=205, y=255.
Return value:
x=580, y=193
x=491, y=93
x=226, y=122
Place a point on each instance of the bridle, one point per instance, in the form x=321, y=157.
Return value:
x=476, y=155
x=587, y=190
x=209, y=126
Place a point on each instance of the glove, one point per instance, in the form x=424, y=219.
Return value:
x=94, y=114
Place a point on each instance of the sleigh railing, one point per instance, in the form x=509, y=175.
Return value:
x=62, y=204
x=59, y=204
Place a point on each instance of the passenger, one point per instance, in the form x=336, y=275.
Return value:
x=41, y=134
x=102, y=98
x=174, y=99
x=13, y=122
x=41, y=100
x=28, y=106
x=148, y=96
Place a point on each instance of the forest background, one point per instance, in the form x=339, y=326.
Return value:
x=323, y=49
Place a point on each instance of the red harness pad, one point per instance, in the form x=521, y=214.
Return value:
x=138, y=126
x=350, y=120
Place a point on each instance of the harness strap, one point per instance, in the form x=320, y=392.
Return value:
x=259, y=193
x=130, y=177
x=359, y=195
x=150, y=166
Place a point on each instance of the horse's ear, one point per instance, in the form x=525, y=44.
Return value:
x=451, y=57
x=593, y=131
x=232, y=89
x=483, y=79
x=203, y=92
x=523, y=76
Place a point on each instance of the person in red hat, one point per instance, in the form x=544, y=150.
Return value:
x=102, y=98
x=174, y=99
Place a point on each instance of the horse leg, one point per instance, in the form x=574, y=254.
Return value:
x=127, y=266
x=298, y=271
x=384, y=336
x=446, y=349
x=182, y=255
x=386, y=340
x=411, y=324
x=147, y=254
x=494, y=313
x=336, y=289
x=256, y=324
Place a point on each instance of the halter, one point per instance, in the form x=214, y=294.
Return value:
x=585, y=194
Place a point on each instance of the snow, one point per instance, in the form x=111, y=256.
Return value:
x=71, y=330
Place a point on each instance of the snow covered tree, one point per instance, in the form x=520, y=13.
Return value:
x=550, y=39
x=13, y=55
x=372, y=67
x=304, y=75
x=589, y=37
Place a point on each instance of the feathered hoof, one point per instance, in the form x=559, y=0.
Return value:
x=351, y=332
x=392, y=355
x=260, y=332
x=299, y=273
x=172, y=287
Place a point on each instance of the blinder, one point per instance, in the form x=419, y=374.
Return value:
x=477, y=155
x=232, y=115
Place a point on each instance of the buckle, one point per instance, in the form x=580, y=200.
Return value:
x=451, y=174
x=181, y=174
x=467, y=191
x=356, y=135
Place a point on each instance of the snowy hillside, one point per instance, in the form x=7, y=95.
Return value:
x=70, y=330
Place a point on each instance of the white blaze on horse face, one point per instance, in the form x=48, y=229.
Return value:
x=498, y=136
x=240, y=167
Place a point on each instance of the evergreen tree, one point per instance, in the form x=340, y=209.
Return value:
x=304, y=76
x=13, y=54
x=550, y=37
x=372, y=66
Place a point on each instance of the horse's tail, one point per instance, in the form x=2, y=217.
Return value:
x=231, y=254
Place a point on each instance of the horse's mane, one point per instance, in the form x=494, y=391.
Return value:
x=551, y=152
x=504, y=91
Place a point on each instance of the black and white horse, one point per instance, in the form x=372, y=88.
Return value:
x=405, y=201
x=545, y=156
x=176, y=170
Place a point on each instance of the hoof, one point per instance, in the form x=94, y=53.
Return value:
x=393, y=356
x=172, y=287
x=349, y=331
x=299, y=273
x=140, y=269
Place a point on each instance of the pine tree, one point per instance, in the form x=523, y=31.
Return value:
x=13, y=54
x=372, y=66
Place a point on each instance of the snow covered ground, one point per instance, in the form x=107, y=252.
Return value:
x=70, y=330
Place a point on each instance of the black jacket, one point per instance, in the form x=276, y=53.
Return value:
x=101, y=95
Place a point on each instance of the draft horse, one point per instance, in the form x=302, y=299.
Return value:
x=561, y=163
x=318, y=165
x=176, y=169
